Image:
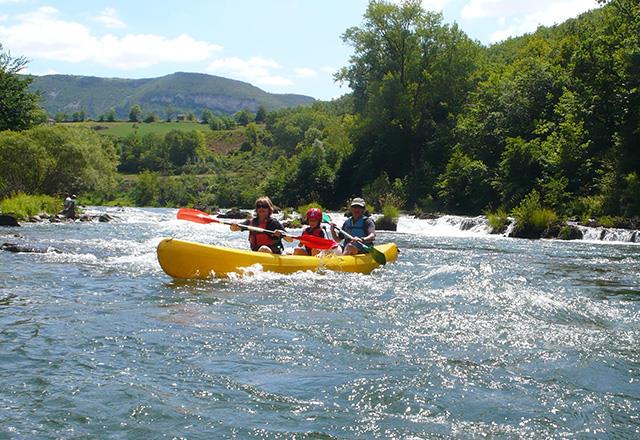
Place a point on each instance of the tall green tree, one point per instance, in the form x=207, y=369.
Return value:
x=18, y=106
x=410, y=75
x=135, y=115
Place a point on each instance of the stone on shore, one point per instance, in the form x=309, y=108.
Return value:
x=8, y=220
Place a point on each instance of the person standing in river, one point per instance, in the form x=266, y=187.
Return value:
x=69, y=206
x=263, y=241
x=361, y=227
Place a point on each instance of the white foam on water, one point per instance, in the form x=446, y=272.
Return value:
x=447, y=226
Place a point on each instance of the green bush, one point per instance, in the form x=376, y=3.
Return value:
x=608, y=221
x=24, y=206
x=498, y=221
x=390, y=213
x=542, y=218
x=531, y=218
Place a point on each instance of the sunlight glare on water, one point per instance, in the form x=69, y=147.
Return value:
x=466, y=335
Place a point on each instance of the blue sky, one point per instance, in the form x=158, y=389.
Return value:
x=282, y=46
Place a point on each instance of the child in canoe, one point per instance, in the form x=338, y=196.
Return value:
x=314, y=218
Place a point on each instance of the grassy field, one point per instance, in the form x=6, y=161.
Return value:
x=122, y=129
x=221, y=141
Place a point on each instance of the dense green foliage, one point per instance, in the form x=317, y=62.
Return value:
x=469, y=128
x=18, y=106
x=23, y=206
x=540, y=127
x=55, y=160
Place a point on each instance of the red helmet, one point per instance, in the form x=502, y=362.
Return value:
x=314, y=214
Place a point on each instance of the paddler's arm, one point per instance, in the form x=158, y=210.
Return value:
x=235, y=228
x=279, y=232
x=336, y=235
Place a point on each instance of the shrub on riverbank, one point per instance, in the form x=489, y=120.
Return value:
x=498, y=221
x=23, y=206
x=532, y=219
x=389, y=220
x=55, y=160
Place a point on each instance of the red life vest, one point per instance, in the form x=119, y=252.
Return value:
x=257, y=239
x=317, y=231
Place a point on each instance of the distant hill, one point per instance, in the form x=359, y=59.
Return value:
x=184, y=92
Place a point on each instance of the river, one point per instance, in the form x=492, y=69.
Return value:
x=467, y=335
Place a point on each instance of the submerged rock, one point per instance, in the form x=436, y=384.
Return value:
x=105, y=218
x=13, y=247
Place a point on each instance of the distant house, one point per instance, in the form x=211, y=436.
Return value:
x=181, y=117
x=51, y=121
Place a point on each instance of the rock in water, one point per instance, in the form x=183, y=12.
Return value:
x=8, y=220
x=12, y=247
x=384, y=224
x=235, y=213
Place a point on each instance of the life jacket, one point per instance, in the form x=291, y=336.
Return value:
x=317, y=232
x=257, y=239
x=356, y=229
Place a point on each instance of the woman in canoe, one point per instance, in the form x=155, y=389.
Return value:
x=314, y=218
x=262, y=241
x=362, y=228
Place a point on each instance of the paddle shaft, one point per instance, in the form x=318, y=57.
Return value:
x=378, y=256
x=349, y=237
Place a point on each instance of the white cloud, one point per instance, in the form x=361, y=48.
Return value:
x=430, y=5
x=44, y=35
x=46, y=72
x=305, y=72
x=256, y=70
x=517, y=18
x=4, y=17
x=109, y=17
x=434, y=5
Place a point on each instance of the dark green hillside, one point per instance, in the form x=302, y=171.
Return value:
x=180, y=92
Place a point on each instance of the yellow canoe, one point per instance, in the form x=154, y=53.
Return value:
x=185, y=259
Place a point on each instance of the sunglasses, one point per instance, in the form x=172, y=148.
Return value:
x=262, y=205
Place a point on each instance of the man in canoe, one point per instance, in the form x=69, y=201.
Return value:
x=314, y=218
x=362, y=228
x=262, y=241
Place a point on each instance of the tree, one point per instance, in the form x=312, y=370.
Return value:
x=243, y=117
x=410, y=75
x=24, y=164
x=53, y=160
x=110, y=116
x=184, y=146
x=261, y=115
x=206, y=116
x=18, y=107
x=464, y=186
x=170, y=111
x=151, y=117
x=135, y=115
